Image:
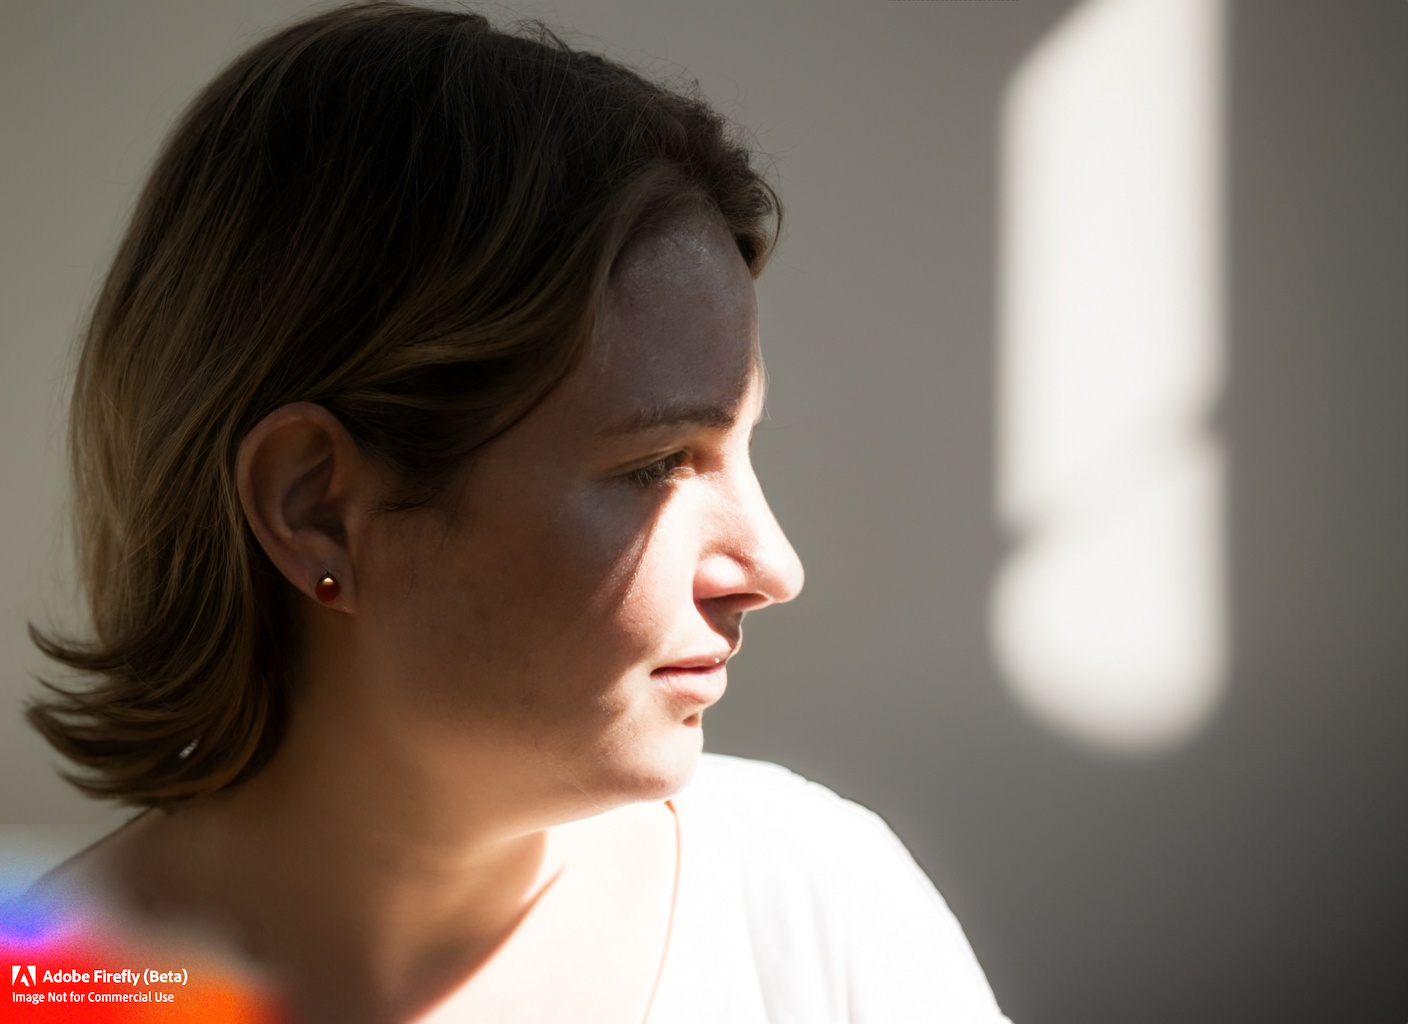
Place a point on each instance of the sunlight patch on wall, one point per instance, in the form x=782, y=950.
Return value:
x=1108, y=615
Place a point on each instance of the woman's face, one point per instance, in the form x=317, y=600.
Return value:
x=565, y=629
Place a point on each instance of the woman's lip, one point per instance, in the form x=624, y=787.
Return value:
x=693, y=684
x=702, y=662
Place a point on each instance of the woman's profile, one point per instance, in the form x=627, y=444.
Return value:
x=410, y=444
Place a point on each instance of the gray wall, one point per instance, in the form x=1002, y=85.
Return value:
x=1254, y=873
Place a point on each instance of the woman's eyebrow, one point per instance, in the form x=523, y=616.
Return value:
x=717, y=412
x=673, y=414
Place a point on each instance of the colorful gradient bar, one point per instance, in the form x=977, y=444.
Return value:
x=42, y=938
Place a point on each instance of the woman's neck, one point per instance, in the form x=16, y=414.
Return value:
x=354, y=870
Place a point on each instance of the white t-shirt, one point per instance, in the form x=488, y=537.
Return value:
x=798, y=907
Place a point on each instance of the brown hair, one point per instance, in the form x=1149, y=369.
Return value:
x=403, y=214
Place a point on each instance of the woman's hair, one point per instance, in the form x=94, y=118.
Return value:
x=404, y=215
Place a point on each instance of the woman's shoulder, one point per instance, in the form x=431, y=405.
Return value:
x=835, y=904
x=752, y=787
x=792, y=844
x=758, y=802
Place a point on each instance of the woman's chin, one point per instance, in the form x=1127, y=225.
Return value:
x=657, y=771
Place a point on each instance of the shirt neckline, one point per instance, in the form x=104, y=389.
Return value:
x=665, y=958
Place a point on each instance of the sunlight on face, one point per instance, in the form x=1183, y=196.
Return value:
x=606, y=549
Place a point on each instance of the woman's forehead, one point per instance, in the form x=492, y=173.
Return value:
x=676, y=254
x=679, y=324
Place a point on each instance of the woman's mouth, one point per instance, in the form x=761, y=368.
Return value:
x=694, y=684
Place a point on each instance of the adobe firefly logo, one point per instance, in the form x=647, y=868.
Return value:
x=24, y=975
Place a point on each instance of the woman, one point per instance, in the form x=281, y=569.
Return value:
x=411, y=456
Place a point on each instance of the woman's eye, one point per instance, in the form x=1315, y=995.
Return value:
x=657, y=472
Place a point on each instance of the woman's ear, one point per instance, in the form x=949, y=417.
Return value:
x=304, y=487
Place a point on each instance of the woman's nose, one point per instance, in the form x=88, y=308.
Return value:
x=751, y=564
